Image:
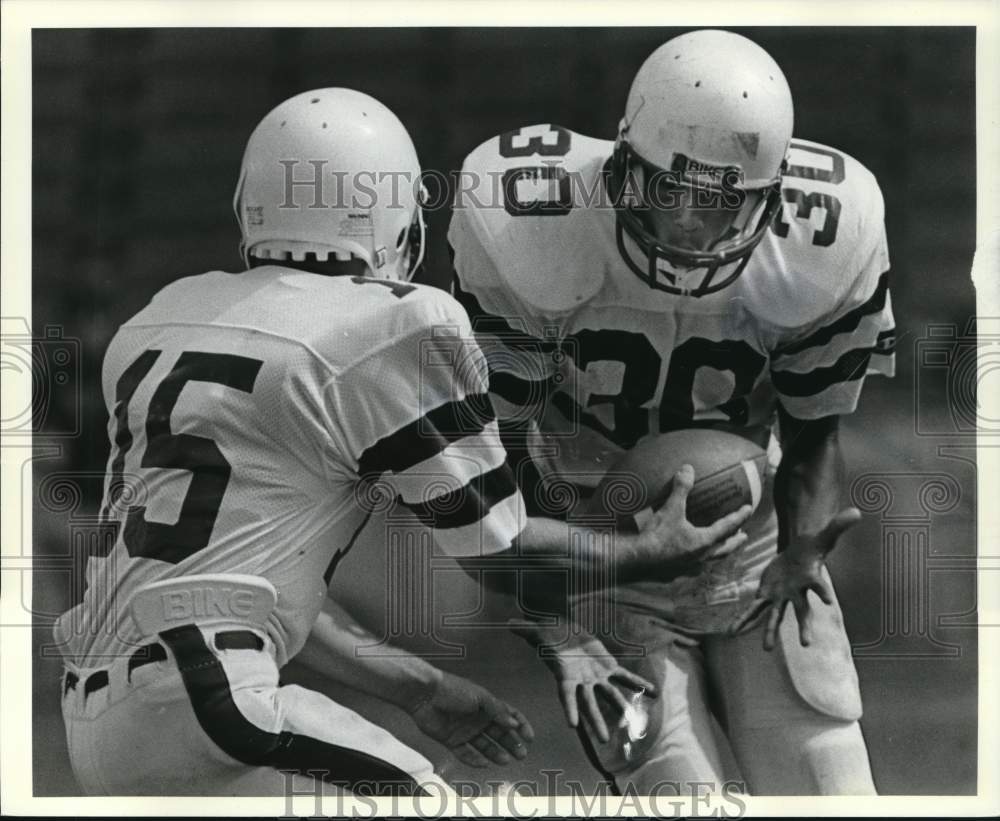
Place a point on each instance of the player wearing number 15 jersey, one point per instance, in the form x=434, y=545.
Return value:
x=251, y=414
x=703, y=269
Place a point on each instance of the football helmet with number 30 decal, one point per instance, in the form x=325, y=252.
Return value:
x=332, y=172
x=708, y=122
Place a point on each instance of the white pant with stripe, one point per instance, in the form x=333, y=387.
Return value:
x=210, y=721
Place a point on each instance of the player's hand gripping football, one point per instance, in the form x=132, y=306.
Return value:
x=587, y=676
x=474, y=724
x=789, y=578
x=669, y=543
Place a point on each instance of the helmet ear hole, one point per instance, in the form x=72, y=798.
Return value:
x=415, y=243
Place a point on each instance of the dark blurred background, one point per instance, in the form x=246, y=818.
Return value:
x=137, y=141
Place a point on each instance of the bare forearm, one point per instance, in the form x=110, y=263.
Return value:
x=548, y=552
x=550, y=538
x=810, y=479
x=332, y=649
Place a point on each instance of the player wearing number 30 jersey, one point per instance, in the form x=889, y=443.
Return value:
x=704, y=269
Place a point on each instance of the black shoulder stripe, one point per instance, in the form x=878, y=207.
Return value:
x=427, y=436
x=468, y=504
x=211, y=697
x=851, y=366
x=484, y=322
x=848, y=322
x=517, y=390
x=514, y=435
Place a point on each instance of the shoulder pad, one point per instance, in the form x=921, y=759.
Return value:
x=188, y=284
x=388, y=308
x=346, y=319
x=827, y=244
x=524, y=197
x=194, y=295
x=429, y=305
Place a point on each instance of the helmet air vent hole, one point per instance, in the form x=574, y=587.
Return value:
x=744, y=95
x=314, y=100
x=677, y=57
x=283, y=123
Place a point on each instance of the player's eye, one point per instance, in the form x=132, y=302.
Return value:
x=670, y=195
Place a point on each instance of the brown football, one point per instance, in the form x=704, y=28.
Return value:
x=729, y=472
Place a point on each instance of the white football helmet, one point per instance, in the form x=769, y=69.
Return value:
x=332, y=171
x=708, y=110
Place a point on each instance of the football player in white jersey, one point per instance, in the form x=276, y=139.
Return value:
x=242, y=409
x=257, y=421
x=705, y=269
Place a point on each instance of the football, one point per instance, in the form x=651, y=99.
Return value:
x=729, y=472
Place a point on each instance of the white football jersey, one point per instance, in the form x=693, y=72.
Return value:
x=257, y=418
x=582, y=347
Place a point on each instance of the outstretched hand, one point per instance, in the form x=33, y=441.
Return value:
x=587, y=675
x=789, y=578
x=474, y=724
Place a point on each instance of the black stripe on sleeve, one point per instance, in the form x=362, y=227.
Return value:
x=212, y=699
x=851, y=366
x=484, y=322
x=427, y=436
x=468, y=504
x=514, y=435
x=847, y=323
x=885, y=343
x=517, y=390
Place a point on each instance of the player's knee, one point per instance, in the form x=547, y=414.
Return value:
x=837, y=759
x=817, y=756
x=259, y=706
